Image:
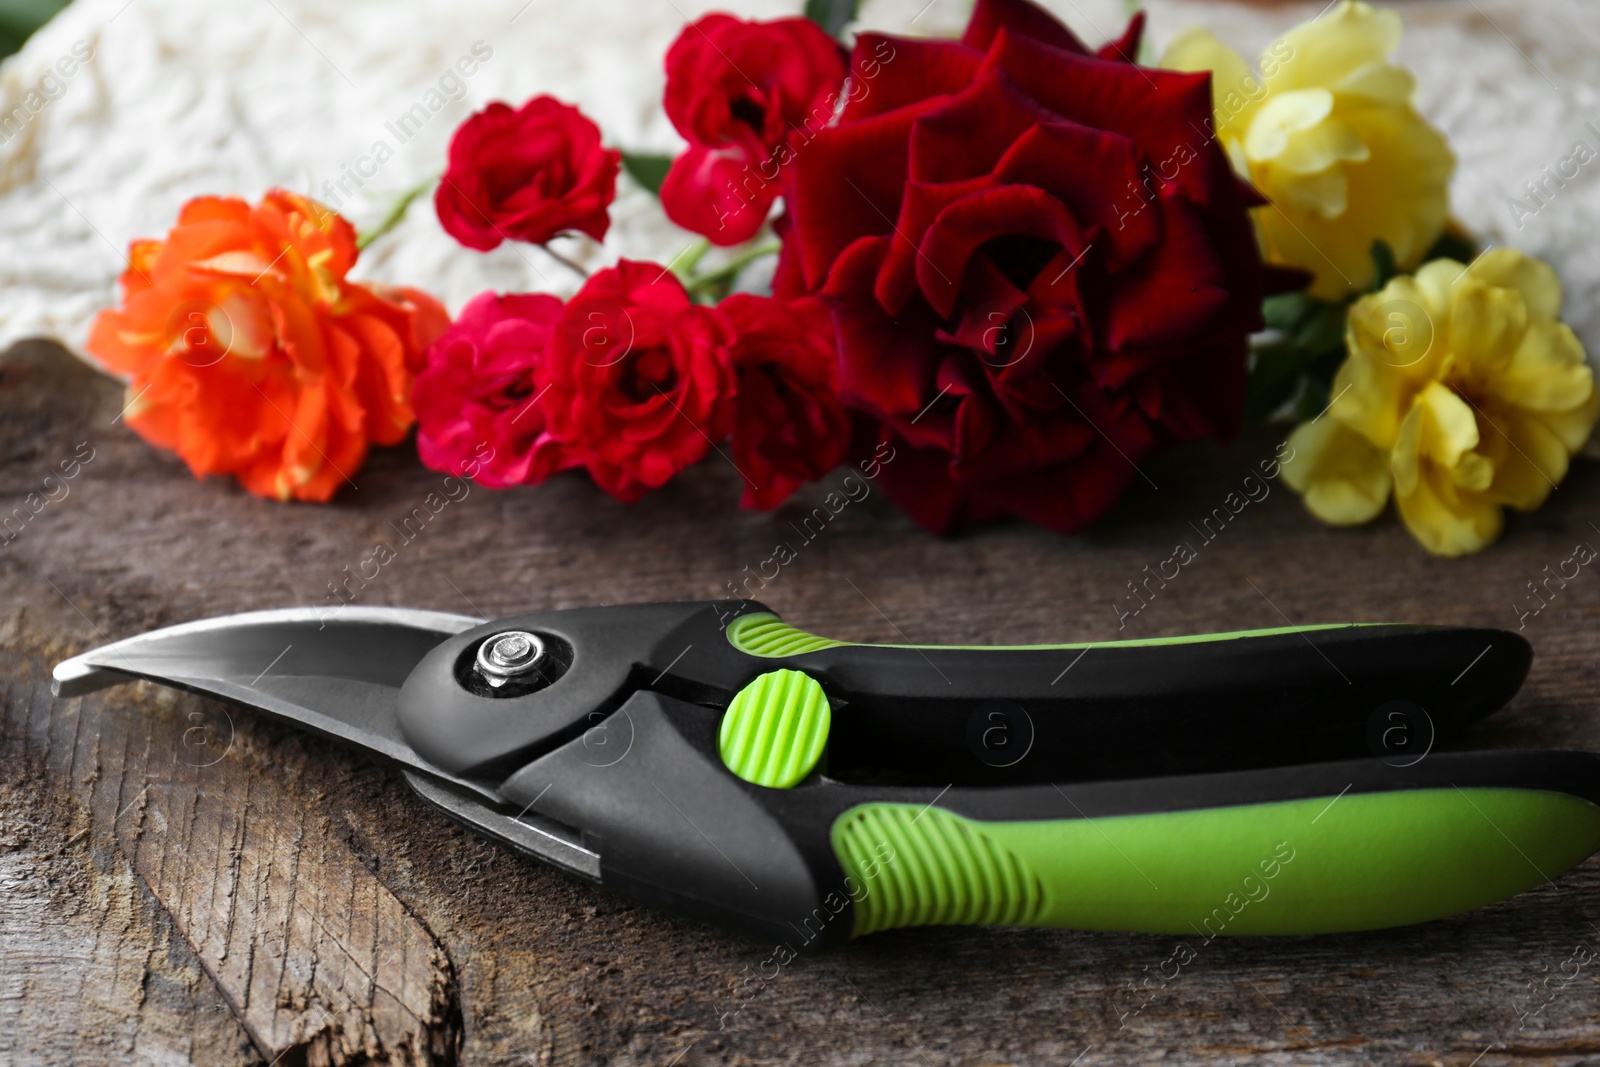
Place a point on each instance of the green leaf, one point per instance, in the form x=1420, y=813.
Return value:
x=1319, y=372
x=832, y=15
x=1454, y=246
x=1284, y=311
x=1304, y=358
x=19, y=18
x=1313, y=399
x=646, y=168
x=1383, y=265
x=1274, y=374
x=1322, y=331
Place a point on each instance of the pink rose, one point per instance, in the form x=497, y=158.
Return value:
x=475, y=399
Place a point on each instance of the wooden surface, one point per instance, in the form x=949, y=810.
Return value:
x=183, y=882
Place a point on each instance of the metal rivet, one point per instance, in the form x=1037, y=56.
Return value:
x=509, y=655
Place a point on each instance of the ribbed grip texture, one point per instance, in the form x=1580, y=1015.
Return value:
x=764, y=634
x=926, y=867
x=775, y=729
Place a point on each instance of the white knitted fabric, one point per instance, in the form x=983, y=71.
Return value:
x=182, y=98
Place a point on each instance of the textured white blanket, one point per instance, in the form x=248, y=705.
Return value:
x=130, y=107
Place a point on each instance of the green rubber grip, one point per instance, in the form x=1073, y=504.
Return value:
x=764, y=634
x=775, y=729
x=1319, y=865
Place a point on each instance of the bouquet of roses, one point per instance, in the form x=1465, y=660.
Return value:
x=1014, y=264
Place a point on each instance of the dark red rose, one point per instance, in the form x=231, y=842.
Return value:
x=741, y=93
x=1039, y=264
x=475, y=397
x=640, y=379
x=790, y=426
x=527, y=175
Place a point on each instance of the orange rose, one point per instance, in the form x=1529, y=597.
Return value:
x=249, y=353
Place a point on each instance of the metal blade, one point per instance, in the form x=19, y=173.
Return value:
x=335, y=672
x=560, y=846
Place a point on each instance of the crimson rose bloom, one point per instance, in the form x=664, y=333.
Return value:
x=739, y=92
x=790, y=427
x=1039, y=264
x=527, y=174
x=475, y=398
x=640, y=379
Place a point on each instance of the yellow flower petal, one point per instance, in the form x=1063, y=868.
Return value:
x=1405, y=460
x=1448, y=519
x=1535, y=280
x=1399, y=194
x=1319, y=147
x=1343, y=478
x=1447, y=522
x=1476, y=399
x=1435, y=284
x=1573, y=427
x=1324, y=195
x=1547, y=371
x=1336, y=46
x=1474, y=472
x=1449, y=425
x=1486, y=326
x=1529, y=459
x=1396, y=328
x=1235, y=88
x=1335, y=144
x=1370, y=398
x=1438, y=431
x=1283, y=115
x=1380, y=82
x=1197, y=48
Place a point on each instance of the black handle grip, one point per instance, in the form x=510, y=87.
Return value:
x=983, y=716
x=980, y=716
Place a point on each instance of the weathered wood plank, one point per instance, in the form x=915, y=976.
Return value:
x=296, y=937
x=91, y=966
x=545, y=970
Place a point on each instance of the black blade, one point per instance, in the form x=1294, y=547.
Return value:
x=334, y=672
x=337, y=673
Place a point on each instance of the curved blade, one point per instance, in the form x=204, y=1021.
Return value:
x=335, y=672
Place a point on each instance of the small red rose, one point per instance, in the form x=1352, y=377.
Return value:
x=640, y=378
x=742, y=93
x=476, y=398
x=526, y=174
x=790, y=426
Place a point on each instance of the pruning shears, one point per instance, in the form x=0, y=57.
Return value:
x=713, y=759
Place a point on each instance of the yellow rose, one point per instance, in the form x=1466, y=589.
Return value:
x=1329, y=135
x=1462, y=392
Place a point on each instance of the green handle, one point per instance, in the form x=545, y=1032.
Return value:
x=1315, y=865
x=764, y=634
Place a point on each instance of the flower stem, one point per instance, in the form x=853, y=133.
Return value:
x=729, y=271
x=396, y=213
x=684, y=263
x=564, y=261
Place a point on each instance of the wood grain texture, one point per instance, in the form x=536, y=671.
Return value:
x=90, y=963
x=341, y=921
